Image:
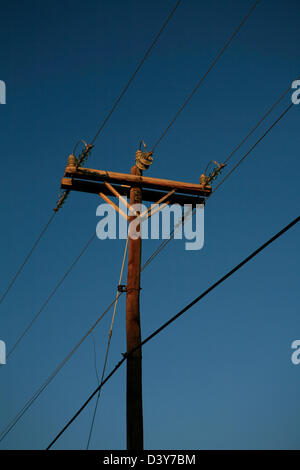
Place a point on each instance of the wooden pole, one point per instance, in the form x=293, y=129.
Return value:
x=134, y=414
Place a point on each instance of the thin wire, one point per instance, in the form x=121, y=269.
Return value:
x=175, y=317
x=253, y=147
x=108, y=345
x=97, y=134
x=219, y=55
x=137, y=69
x=259, y=123
x=162, y=245
x=106, y=119
x=165, y=242
x=30, y=402
x=51, y=295
x=95, y=361
x=157, y=251
x=27, y=257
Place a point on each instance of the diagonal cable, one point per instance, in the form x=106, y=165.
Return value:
x=219, y=55
x=30, y=324
x=136, y=70
x=20, y=269
x=174, y=318
x=108, y=344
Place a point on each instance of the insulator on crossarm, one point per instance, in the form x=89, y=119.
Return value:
x=72, y=161
x=143, y=159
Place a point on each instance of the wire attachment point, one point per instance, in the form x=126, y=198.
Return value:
x=122, y=288
x=207, y=179
x=83, y=156
x=143, y=159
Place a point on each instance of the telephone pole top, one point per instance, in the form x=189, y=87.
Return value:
x=138, y=188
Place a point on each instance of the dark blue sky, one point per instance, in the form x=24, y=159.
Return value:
x=221, y=376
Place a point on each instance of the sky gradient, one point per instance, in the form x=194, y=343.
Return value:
x=221, y=376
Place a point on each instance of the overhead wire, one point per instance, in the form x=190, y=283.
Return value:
x=269, y=111
x=165, y=242
x=136, y=70
x=108, y=344
x=253, y=147
x=53, y=292
x=174, y=318
x=219, y=55
x=162, y=245
x=38, y=392
x=122, y=94
x=20, y=269
x=63, y=197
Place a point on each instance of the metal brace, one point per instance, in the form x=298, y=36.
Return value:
x=122, y=288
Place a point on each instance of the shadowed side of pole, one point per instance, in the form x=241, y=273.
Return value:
x=135, y=440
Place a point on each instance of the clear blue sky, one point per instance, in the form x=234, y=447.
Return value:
x=221, y=376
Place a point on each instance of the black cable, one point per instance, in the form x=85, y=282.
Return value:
x=98, y=132
x=165, y=242
x=27, y=258
x=175, y=317
x=274, y=105
x=253, y=146
x=30, y=402
x=136, y=70
x=219, y=55
x=51, y=295
x=98, y=395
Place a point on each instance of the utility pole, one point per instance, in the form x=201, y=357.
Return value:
x=137, y=187
x=134, y=413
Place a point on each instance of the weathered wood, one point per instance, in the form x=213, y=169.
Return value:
x=158, y=203
x=133, y=335
x=118, y=195
x=106, y=199
x=137, y=181
x=148, y=194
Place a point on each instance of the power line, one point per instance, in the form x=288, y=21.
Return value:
x=175, y=317
x=165, y=242
x=253, y=146
x=27, y=257
x=274, y=105
x=136, y=70
x=30, y=402
x=157, y=251
x=162, y=245
x=108, y=342
x=30, y=324
x=106, y=119
x=97, y=134
x=219, y=55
